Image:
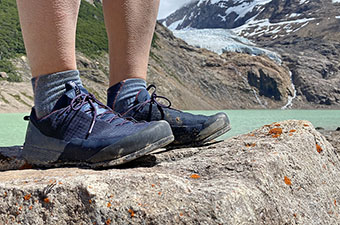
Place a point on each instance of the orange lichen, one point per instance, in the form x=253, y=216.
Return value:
x=335, y=202
x=132, y=213
x=27, y=197
x=250, y=145
x=275, y=135
x=159, y=193
x=30, y=208
x=292, y=131
x=252, y=135
x=60, y=182
x=277, y=125
x=290, y=134
x=287, y=181
x=20, y=208
x=276, y=131
x=5, y=195
x=90, y=201
x=195, y=176
x=109, y=204
x=181, y=214
x=305, y=125
x=294, y=215
x=318, y=148
x=46, y=200
x=152, y=185
x=108, y=221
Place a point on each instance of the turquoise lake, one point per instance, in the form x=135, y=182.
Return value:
x=13, y=127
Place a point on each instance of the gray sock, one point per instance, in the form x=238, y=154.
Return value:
x=122, y=95
x=47, y=89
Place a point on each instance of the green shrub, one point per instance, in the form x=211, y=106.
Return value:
x=11, y=42
x=91, y=33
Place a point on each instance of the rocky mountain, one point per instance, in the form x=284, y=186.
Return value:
x=253, y=18
x=214, y=14
x=191, y=77
x=304, y=33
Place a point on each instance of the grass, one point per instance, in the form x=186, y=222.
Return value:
x=91, y=35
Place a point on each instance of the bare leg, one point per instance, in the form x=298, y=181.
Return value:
x=49, y=30
x=130, y=25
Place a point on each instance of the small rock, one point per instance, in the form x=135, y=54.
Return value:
x=319, y=128
x=338, y=129
x=3, y=75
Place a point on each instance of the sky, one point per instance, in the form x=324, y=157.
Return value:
x=169, y=6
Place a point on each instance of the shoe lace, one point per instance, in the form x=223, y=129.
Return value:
x=152, y=100
x=82, y=99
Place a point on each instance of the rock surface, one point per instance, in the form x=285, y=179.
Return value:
x=283, y=173
x=333, y=136
x=3, y=75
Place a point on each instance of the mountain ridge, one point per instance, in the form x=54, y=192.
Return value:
x=305, y=33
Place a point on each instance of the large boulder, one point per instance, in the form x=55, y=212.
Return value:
x=283, y=173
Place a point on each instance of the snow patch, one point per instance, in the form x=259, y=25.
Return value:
x=261, y=27
x=245, y=7
x=303, y=1
x=293, y=15
x=222, y=40
x=174, y=25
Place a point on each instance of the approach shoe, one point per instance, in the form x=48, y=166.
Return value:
x=81, y=131
x=188, y=129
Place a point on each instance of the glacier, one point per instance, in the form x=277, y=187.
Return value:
x=223, y=40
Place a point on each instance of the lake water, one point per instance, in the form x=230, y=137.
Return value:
x=13, y=127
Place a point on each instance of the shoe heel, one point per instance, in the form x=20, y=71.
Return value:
x=40, y=149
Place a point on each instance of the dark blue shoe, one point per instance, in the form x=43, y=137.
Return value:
x=187, y=128
x=82, y=131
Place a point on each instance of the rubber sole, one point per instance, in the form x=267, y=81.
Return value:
x=112, y=163
x=218, y=125
x=214, y=135
x=47, y=154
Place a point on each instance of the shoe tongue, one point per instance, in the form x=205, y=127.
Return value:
x=142, y=96
x=72, y=90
